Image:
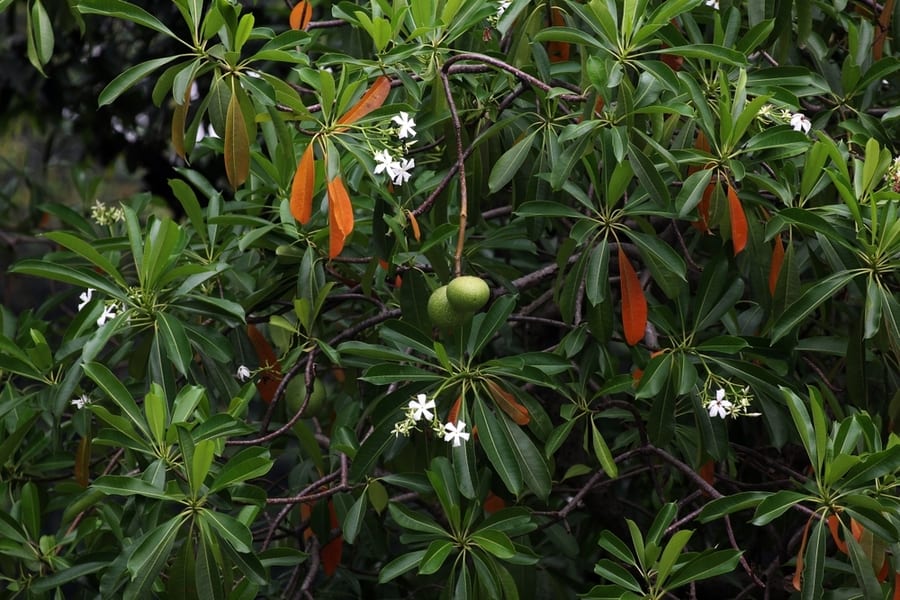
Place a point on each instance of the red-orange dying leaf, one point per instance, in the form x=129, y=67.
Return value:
x=493, y=503
x=303, y=186
x=268, y=381
x=798, y=572
x=558, y=51
x=331, y=552
x=703, y=209
x=301, y=15
x=179, y=117
x=775, y=266
x=453, y=415
x=508, y=404
x=885, y=569
x=372, y=99
x=833, y=527
x=340, y=216
x=83, y=462
x=634, y=303
x=896, y=595
x=707, y=471
x=738, y=221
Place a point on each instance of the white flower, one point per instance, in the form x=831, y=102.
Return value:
x=109, y=313
x=384, y=162
x=85, y=297
x=502, y=6
x=401, y=170
x=800, y=123
x=713, y=3
x=406, y=125
x=81, y=402
x=455, y=433
x=421, y=407
x=720, y=407
x=243, y=373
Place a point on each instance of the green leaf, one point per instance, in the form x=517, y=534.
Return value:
x=532, y=465
x=666, y=266
x=415, y=521
x=711, y=52
x=149, y=555
x=707, y=564
x=617, y=574
x=497, y=448
x=720, y=507
x=120, y=485
x=155, y=409
x=434, y=556
x=805, y=427
x=601, y=451
x=12, y=442
x=353, y=520
x=237, y=142
x=77, y=276
x=443, y=481
x=174, y=341
x=247, y=464
x=671, y=553
x=40, y=36
x=400, y=565
x=809, y=300
x=118, y=393
x=124, y=10
x=776, y=505
x=235, y=533
x=814, y=563
x=495, y=542
x=200, y=463
x=129, y=77
x=510, y=162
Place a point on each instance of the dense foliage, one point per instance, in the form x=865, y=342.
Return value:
x=680, y=381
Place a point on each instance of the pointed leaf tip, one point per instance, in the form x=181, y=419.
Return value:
x=738, y=221
x=340, y=216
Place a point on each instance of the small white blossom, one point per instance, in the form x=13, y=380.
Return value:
x=502, y=6
x=421, y=408
x=455, y=433
x=407, y=125
x=81, y=402
x=713, y=3
x=109, y=313
x=383, y=162
x=243, y=373
x=720, y=407
x=85, y=297
x=800, y=123
x=401, y=170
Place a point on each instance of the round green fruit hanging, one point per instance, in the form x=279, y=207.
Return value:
x=441, y=313
x=467, y=294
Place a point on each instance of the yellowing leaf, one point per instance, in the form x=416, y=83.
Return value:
x=237, y=144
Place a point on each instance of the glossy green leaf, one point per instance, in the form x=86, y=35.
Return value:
x=435, y=556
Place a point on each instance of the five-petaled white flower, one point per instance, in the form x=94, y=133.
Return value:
x=455, y=433
x=85, y=297
x=720, y=407
x=713, y=3
x=502, y=6
x=421, y=407
x=800, y=123
x=384, y=162
x=81, y=402
x=243, y=373
x=401, y=170
x=407, y=125
x=109, y=313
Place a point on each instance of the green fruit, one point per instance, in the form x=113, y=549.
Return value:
x=439, y=310
x=295, y=394
x=468, y=294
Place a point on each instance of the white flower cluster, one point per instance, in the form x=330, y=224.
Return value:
x=729, y=400
x=713, y=4
x=106, y=215
x=398, y=169
x=798, y=121
x=502, y=5
x=81, y=402
x=421, y=408
x=110, y=309
x=243, y=373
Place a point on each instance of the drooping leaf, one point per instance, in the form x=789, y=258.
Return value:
x=237, y=144
x=508, y=403
x=775, y=265
x=340, y=216
x=303, y=186
x=634, y=303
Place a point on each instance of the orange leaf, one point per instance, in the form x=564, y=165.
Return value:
x=833, y=523
x=303, y=186
x=738, y=221
x=267, y=384
x=557, y=51
x=453, y=415
x=508, y=404
x=775, y=267
x=83, y=462
x=883, y=573
x=301, y=15
x=856, y=529
x=237, y=144
x=340, y=216
x=331, y=552
x=634, y=304
x=674, y=61
x=897, y=586
x=372, y=99
x=708, y=471
x=798, y=572
x=493, y=503
x=414, y=223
